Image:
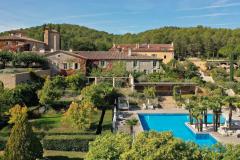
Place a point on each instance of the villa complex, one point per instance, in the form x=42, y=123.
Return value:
x=156, y=94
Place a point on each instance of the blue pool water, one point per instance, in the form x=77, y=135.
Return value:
x=176, y=124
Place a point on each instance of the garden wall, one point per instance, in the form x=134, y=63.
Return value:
x=167, y=89
x=10, y=80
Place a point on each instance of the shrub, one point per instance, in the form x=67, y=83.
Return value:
x=67, y=143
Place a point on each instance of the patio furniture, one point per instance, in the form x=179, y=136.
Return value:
x=150, y=107
x=223, y=131
x=144, y=106
x=230, y=132
x=238, y=133
x=123, y=103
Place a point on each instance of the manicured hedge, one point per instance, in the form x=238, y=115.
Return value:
x=67, y=142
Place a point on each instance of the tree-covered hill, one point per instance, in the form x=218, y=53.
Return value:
x=188, y=41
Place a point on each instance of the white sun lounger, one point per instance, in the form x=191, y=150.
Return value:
x=150, y=107
x=144, y=106
x=222, y=132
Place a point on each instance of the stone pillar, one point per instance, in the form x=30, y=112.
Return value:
x=96, y=80
x=131, y=81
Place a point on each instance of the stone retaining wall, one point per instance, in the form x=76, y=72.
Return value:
x=10, y=80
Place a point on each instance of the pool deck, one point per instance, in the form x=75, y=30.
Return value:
x=232, y=139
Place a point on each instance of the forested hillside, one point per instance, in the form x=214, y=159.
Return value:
x=194, y=41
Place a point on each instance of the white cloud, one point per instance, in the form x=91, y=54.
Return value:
x=208, y=15
x=217, y=4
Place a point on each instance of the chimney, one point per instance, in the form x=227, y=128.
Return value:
x=129, y=52
x=172, y=44
x=114, y=45
x=148, y=46
x=46, y=35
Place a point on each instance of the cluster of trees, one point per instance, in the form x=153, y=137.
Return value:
x=153, y=145
x=198, y=108
x=22, y=59
x=54, y=87
x=193, y=41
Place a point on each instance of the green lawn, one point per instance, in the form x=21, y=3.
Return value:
x=52, y=123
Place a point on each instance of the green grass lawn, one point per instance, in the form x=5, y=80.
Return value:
x=51, y=122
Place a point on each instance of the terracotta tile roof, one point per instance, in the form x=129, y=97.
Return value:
x=18, y=38
x=108, y=55
x=104, y=55
x=143, y=47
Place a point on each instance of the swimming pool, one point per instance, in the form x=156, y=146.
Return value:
x=176, y=124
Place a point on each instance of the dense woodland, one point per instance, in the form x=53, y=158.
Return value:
x=194, y=41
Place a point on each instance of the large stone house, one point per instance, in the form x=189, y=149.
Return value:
x=67, y=61
x=17, y=41
x=160, y=51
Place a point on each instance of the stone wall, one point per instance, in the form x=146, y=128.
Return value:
x=11, y=80
x=165, y=56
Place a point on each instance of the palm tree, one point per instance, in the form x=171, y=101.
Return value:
x=198, y=114
x=205, y=103
x=189, y=106
x=131, y=123
x=230, y=100
x=216, y=106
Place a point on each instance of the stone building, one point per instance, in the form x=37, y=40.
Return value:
x=84, y=61
x=17, y=41
x=160, y=51
x=52, y=39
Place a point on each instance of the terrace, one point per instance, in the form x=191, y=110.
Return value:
x=170, y=109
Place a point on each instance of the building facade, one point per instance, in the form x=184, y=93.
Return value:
x=84, y=61
x=160, y=51
x=17, y=41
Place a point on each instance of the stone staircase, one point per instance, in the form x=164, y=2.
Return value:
x=206, y=78
x=168, y=102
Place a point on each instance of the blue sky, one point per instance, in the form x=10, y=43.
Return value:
x=120, y=16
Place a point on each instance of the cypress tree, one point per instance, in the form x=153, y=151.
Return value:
x=22, y=143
